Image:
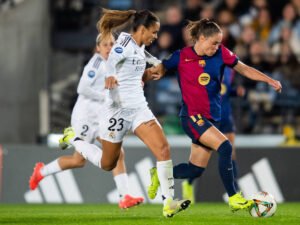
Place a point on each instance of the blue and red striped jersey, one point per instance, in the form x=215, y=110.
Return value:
x=200, y=79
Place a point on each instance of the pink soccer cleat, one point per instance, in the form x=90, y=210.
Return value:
x=129, y=201
x=36, y=176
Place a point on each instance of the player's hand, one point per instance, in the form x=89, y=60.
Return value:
x=147, y=76
x=111, y=82
x=276, y=85
x=157, y=72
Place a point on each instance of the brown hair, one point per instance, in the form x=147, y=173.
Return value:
x=205, y=27
x=116, y=18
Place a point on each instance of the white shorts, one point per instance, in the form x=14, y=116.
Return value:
x=117, y=122
x=85, y=120
x=86, y=129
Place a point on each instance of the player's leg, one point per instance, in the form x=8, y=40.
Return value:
x=89, y=151
x=214, y=139
x=152, y=135
x=122, y=184
x=112, y=131
x=69, y=162
x=199, y=158
x=231, y=138
x=227, y=127
x=40, y=170
x=203, y=132
x=199, y=155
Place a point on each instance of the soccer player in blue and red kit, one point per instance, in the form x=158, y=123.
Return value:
x=200, y=73
x=227, y=127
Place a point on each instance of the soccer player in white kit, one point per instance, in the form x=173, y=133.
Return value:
x=85, y=121
x=127, y=108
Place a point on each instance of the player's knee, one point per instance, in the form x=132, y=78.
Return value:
x=109, y=166
x=80, y=162
x=77, y=162
x=225, y=148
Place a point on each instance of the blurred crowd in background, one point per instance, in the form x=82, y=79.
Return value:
x=264, y=34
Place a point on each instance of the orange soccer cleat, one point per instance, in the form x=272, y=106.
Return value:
x=36, y=176
x=129, y=201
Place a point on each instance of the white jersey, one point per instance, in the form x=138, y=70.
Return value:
x=92, y=95
x=127, y=62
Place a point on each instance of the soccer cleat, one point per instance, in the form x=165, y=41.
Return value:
x=237, y=202
x=173, y=207
x=152, y=189
x=69, y=134
x=129, y=201
x=36, y=176
x=188, y=191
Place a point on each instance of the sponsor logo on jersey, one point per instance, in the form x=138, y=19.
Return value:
x=188, y=60
x=223, y=89
x=91, y=73
x=202, y=63
x=118, y=50
x=204, y=79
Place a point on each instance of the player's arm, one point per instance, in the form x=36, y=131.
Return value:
x=116, y=55
x=231, y=60
x=87, y=79
x=254, y=74
x=169, y=63
x=154, y=73
x=147, y=75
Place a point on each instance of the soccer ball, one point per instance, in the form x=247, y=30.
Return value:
x=264, y=205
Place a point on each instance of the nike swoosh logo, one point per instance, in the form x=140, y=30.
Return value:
x=188, y=60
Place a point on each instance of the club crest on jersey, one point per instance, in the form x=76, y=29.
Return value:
x=223, y=89
x=91, y=74
x=202, y=63
x=204, y=79
x=200, y=122
x=118, y=50
x=112, y=135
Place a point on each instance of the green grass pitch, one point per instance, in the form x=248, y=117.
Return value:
x=203, y=214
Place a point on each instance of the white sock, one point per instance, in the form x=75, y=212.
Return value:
x=51, y=168
x=89, y=151
x=122, y=184
x=166, y=179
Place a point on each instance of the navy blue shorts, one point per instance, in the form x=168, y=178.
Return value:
x=195, y=126
x=227, y=125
